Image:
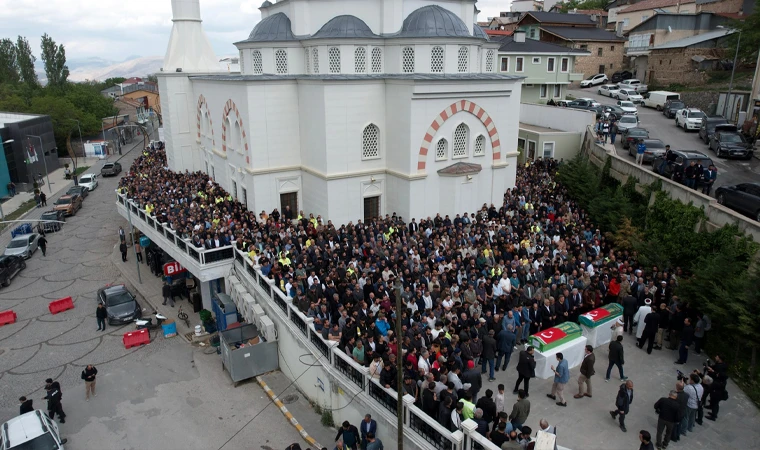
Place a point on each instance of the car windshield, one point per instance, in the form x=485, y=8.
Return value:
x=732, y=138
x=627, y=105
x=85, y=180
x=119, y=299
x=18, y=243
x=654, y=144
x=63, y=201
x=49, y=216
x=108, y=166
x=697, y=115
x=628, y=119
x=41, y=442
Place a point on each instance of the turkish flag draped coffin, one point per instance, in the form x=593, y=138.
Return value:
x=555, y=336
x=598, y=316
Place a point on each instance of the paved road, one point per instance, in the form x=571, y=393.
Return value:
x=164, y=395
x=729, y=171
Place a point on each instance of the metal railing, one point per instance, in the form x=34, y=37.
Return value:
x=320, y=344
x=299, y=322
x=379, y=393
x=437, y=436
x=346, y=368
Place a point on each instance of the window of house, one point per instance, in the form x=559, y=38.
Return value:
x=463, y=63
x=601, y=68
x=244, y=198
x=548, y=150
x=532, y=33
x=281, y=61
x=360, y=60
x=489, y=61
x=521, y=143
x=460, y=141
x=436, y=59
x=315, y=59
x=234, y=189
x=441, y=150
x=519, y=64
x=505, y=64
x=550, y=64
x=480, y=146
x=531, y=150
x=407, y=60
x=625, y=22
x=644, y=17
x=371, y=142
x=583, y=46
x=536, y=60
x=256, y=63
x=599, y=51
x=333, y=54
x=543, y=91
x=377, y=60
x=612, y=65
x=307, y=60
x=612, y=48
x=557, y=90
x=565, y=65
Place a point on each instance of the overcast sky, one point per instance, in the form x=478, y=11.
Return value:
x=116, y=30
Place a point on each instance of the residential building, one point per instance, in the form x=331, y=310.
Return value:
x=532, y=22
x=548, y=68
x=25, y=155
x=507, y=21
x=624, y=17
x=521, y=6
x=662, y=29
x=684, y=61
x=551, y=132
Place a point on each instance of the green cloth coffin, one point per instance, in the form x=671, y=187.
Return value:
x=555, y=336
x=598, y=316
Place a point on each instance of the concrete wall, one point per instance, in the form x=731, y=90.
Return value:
x=612, y=58
x=636, y=17
x=557, y=118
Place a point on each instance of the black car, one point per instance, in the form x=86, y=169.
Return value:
x=10, y=265
x=730, y=144
x=79, y=190
x=50, y=220
x=631, y=135
x=113, y=169
x=613, y=112
x=617, y=77
x=743, y=198
x=121, y=305
x=654, y=149
x=708, y=127
x=671, y=107
x=679, y=161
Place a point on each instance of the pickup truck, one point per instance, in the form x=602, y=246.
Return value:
x=634, y=84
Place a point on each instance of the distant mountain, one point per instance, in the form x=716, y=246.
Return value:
x=103, y=69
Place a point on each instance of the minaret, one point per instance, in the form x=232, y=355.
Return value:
x=189, y=49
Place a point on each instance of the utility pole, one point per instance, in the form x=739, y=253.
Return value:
x=132, y=236
x=399, y=376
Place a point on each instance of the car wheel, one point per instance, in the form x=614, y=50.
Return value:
x=658, y=108
x=757, y=216
x=23, y=265
x=719, y=152
x=721, y=199
x=6, y=282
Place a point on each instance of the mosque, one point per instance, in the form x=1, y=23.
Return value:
x=346, y=108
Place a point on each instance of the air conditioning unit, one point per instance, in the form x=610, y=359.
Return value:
x=257, y=313
x=238, y=292
x=247, y=310
x=267, y=329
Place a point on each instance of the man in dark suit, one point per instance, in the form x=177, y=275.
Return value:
x=26, y=405
x=630, y=305
x=413, y=226
x=526, y=369
x=651, y=325
x=623, y=403
x=587, y=371
x=369, y=425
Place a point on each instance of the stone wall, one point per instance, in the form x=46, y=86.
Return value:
x=675, y=65
x=612, y=58
x=701, y=100
x=724, y=6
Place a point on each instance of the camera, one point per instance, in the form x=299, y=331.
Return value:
x=680, y=376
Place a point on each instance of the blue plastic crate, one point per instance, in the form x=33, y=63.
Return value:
x=21, y=230
x=170, y=330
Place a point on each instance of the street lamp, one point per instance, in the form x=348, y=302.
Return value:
x=733, y=68
x=44, y=160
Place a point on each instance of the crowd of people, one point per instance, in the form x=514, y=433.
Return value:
x=472, y=288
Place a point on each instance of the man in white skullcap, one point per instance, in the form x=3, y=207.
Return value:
x=638, y=319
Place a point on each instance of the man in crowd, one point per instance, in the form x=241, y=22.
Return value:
x=669, y=413
x=623, y=403
x=561, y=377
x=587, y=371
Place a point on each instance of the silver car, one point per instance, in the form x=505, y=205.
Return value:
x=627, y=121
x=24, y=245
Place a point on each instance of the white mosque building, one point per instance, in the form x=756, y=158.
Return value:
x=346, y=108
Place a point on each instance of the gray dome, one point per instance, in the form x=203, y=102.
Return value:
x=479, y=32
x=266, y=4
x=274, y=28
x=433, y=21
x=345, y=26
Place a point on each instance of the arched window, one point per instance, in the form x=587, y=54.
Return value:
x=237, y=136
x=360, y=60
x=281, y=61
x=460, y=141
x=307, y=60
x=463, y=62
x=371, y=142
x=377, y=60
x=256, y=63
x=441, y=150
x=315, y=59
x=407, y=60
x=436, y=59
x=333, y=54
x=242, y=62
x=489, y=61
x=230, y=133
x=480, y=146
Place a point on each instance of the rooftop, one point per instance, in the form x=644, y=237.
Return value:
x=583, y=34
x=570, y=19
x=654, y=4
x=433, y=21
x=692, y=40
x=345, y=26
x=11, y=117
x=509, y=45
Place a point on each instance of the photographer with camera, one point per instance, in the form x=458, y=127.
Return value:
x=694, y=390
x=718, y=393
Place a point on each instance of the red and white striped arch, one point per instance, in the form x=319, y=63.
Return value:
x=229, y=108
x=199, y=117
x=460, y=106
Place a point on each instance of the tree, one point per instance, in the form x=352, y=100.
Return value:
x=8, y=68
x=582, y=5
x=54, y=58
x=25, y=62
x=750, y=36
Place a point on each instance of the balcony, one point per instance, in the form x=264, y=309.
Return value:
x=206, y=265
x=638, y=50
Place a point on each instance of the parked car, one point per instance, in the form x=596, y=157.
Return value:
x=89, y=180
x=594, y=80
x=707, y=128
x=631, y=135
x=24, y=245
x=690, y=119
x=743, y=198
x=657, y=99
x=10, y=266
x=628, y=106
x=627, y=121
x=680, y=159
x=50, y=220
x=613, y=112
x=655, y=149
x=31, y=431
x=630, y=95
x=562, y=103
x=730, y=143
x=121, y=305
x=583, y=103
x=113, y=169
x=69, y=204
x=672, y=107
x=78, y=190
x=624, y=75
x=608, y=89
x=635, y=85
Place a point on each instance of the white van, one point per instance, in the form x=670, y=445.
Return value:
x=33, y=430
x=657, y=99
